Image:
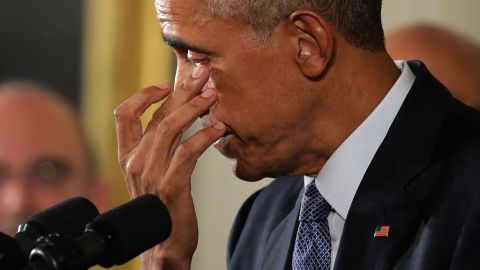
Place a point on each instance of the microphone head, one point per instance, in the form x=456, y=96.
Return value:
x=132, y=228
x=11, y=255
x=68, y=217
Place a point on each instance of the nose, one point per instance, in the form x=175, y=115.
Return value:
x=16, y=199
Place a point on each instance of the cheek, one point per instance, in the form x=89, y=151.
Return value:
x=232, y=96
x=253, y=97
x=241, y=98
x=47, y=196
x=233, y=84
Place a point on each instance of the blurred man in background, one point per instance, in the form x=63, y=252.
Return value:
x=44, y=156
x=453, y=59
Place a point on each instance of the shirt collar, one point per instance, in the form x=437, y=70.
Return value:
x=341, y=175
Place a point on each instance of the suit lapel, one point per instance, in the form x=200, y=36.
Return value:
x=399, y=177
x=393, y=207
x=279, y=248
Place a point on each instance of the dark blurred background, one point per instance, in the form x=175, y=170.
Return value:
x=41, y=41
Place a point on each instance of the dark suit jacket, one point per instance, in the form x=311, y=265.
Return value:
x=423, y=182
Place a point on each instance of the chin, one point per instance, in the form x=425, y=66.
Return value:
x=247, y=176
x=247, y=172
x=247, y=167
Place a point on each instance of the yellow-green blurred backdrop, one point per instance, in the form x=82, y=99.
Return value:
x=123, y=52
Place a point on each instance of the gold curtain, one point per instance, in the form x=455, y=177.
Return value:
x=123, y=52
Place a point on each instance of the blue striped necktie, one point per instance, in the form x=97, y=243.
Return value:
x=312, y=244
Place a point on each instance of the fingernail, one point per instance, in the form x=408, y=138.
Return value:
x=219, y=125
x=207, y=93
x=162, y=86
x=199, y=72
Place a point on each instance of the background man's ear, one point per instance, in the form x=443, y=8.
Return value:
x=315, y=45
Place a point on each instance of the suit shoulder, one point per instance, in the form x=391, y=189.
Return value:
x=264, y=209
x=282, y=190
x=465, y=165
x=460, y=130
x=463, y=120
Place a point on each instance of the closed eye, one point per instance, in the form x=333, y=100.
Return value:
x=195, y=62
x=196, y=58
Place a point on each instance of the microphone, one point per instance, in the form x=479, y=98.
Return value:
x=112, y=238
x=11, y=255
x=68, y=217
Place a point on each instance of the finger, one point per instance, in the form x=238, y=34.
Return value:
x=179, y=121
x=127, y=122
x=185, y=90
x=177, y=178
x=169, y=130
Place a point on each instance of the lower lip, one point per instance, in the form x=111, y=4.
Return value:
x=224, y=139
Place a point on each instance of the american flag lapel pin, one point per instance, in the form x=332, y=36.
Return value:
x=381, y=231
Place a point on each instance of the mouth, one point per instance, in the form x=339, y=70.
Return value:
x=223, y=143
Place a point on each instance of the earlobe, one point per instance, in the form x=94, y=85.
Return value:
x=315, y=42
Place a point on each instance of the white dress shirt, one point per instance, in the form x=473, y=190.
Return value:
x=341, y=175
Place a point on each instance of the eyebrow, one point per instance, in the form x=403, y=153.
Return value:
x=177, y=43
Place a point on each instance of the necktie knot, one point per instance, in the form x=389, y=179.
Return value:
x=314, y=207
x=312, y=249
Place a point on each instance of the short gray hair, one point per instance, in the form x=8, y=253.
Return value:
x=359, y=21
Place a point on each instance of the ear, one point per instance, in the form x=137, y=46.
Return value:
x=315, y=42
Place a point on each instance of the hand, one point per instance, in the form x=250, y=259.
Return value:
x=157, y=162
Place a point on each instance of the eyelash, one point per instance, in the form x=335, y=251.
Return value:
x=194, y=62
x=181, y=53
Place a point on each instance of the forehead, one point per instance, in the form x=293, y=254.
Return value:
x=171, y=13
x=179, y=22
x=35, y=128
x=187, y=21
x=190, y=16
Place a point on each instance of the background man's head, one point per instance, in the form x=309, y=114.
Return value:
x=44, y=158
x=453, y=59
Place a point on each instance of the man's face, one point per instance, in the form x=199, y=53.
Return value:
x=260, y=98
x=42, y=161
